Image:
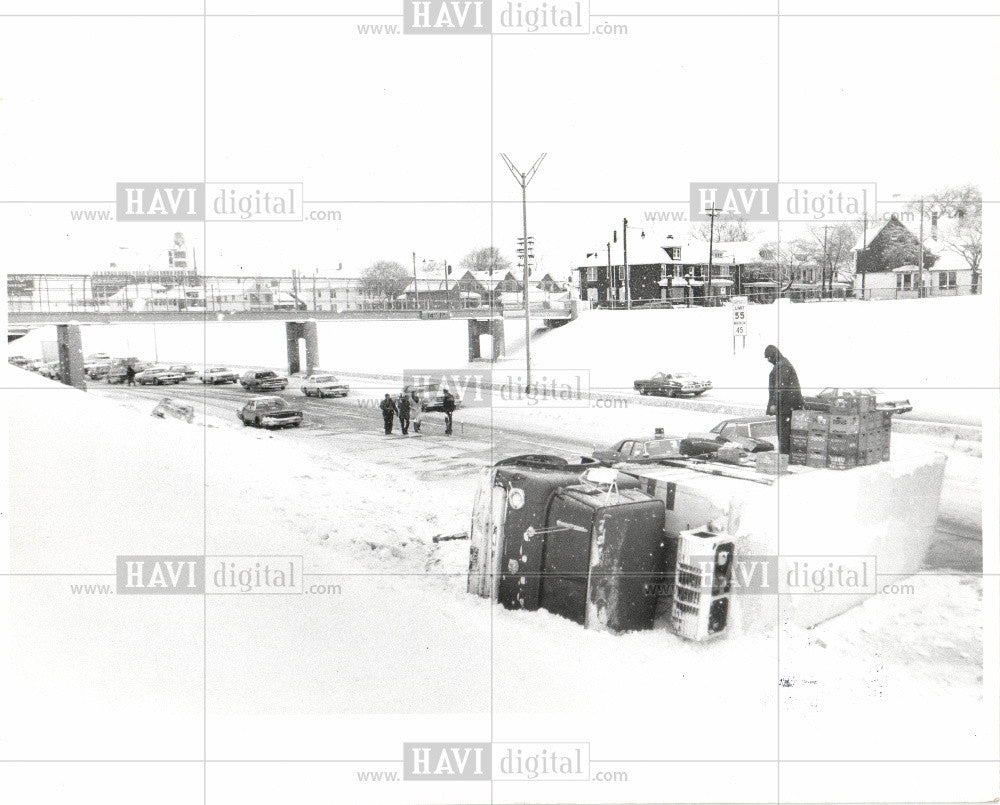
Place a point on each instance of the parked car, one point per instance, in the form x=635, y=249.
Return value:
x=119, y=366
x=270, y=412
x=96, y=370
x=50, y=370
x=183, y=369
x=638, y=450
x=676, y=384
x=324, y=386
x=158, y=376
x=96, y=357
x=754, y=434
x=33, y=365
x=431, y=396
x=883, y=402
x=17, y=360
x=215, y=375
x=263, y=380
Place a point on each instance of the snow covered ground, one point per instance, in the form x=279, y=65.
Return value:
x=401, y=652
x=933, y=351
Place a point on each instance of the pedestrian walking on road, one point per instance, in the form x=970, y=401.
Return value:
x=403, y=407
x=416, y=411
x=448, y=406
x=388, y=413
x=130, y=375
x=784, y=395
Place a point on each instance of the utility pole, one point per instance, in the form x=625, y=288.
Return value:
x=447, y=301
x=920, y=291
x=826, y=261
x=416, y=290
x=314, y=289
x=863, y=257
x=711, y=248
x=611, y=277
x=523, y=179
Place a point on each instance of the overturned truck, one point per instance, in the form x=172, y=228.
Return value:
x=655, y=546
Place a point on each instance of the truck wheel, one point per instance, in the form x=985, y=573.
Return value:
x=257, y=421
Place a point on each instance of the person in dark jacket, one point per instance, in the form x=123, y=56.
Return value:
x=784, y=395
x=448, y=406
x=388, y=413
x=130, y=375
x=403, y=408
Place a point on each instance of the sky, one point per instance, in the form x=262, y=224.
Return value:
x=410, y=158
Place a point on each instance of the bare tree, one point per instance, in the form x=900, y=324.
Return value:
x=488, y=259
x=831, y=247
x=384, y=279
x=728, y=228
x=789, y=257
x=958, y=219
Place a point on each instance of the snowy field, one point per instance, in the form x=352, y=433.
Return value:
x=402, y=649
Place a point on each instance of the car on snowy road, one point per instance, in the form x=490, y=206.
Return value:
x=158, y=376
x=324, y=386
x=270, y=412
x=639, y=450
x=263, y=380
x=215, y=375
x=17, y=360
x=883, y=402
x=183, y=369
x=754, y=434
x=676, y=384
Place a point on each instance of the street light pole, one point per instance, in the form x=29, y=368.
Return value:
x=523, y=179
x=628, y=291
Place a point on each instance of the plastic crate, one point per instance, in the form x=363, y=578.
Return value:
x=845, y=424
x=842, y=446
x=842, y=462
x=802, y=419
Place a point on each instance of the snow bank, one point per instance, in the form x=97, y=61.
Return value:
x=402, y=638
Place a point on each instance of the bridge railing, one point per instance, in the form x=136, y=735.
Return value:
x=120, y=293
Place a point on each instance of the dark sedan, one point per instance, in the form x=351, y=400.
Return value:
x=676, y=384
x=263, y=380
x=270, y=412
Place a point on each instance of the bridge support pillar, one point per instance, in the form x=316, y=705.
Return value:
x=70, y=348
x=491, y=327
x=294, y=330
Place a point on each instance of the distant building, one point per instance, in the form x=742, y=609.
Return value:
x=677, y=273
x=887, y=264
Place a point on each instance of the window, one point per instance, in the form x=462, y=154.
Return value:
x=947, y=279
x=592, y=274
x=904, y=282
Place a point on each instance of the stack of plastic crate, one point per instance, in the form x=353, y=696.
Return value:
x=702, y=584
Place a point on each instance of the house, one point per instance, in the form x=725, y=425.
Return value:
x=887, y=264
x=677, y=273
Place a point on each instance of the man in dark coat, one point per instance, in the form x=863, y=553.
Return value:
x=784, y=395
x=403, y=408
x=448, y=406
x=388, y=413
x=130, y=375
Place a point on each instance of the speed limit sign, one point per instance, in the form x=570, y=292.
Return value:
x=739, y=320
